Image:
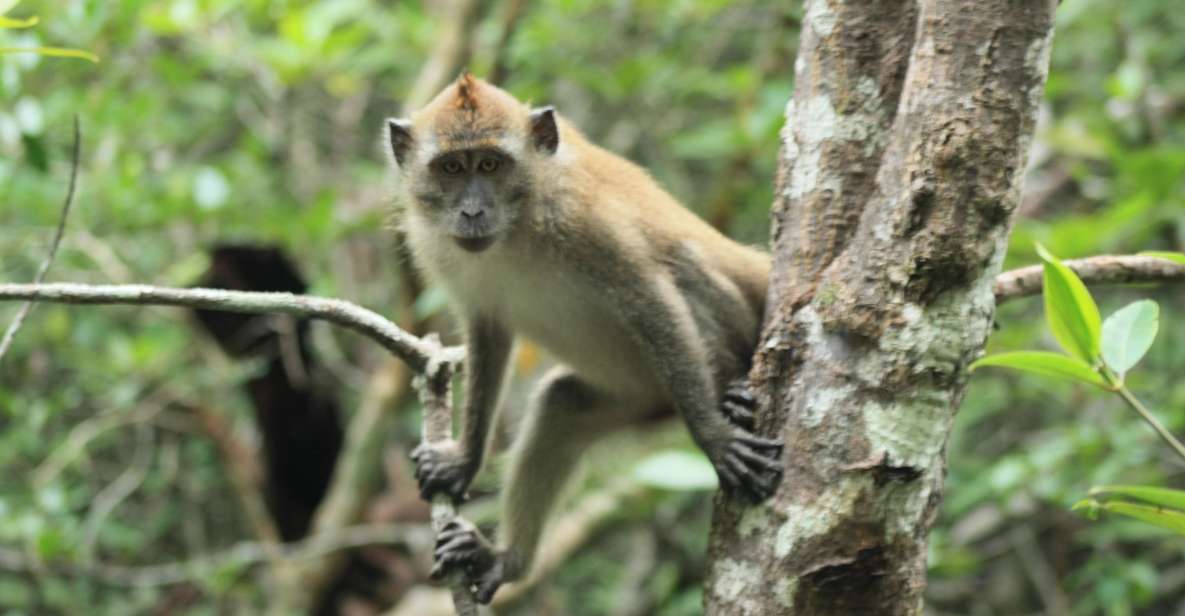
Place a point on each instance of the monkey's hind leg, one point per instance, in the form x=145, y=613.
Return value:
x=567, y=414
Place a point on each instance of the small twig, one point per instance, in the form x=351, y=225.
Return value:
x=242, y=554
x=1147, y=415
x=23, y=311
x=417, y=352
x=1105, y=269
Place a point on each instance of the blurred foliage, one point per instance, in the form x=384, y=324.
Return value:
x=258, y=121
x=29, y=22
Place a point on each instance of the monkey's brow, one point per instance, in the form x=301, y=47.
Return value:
x=471, y=149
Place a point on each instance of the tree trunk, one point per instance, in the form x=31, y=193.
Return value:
x=901, y=166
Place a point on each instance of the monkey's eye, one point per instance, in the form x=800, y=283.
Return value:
x=488, y=165
x=452, y=167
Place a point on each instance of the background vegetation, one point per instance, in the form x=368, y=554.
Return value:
x=253, y=122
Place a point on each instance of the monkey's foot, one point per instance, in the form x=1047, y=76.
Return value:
x=461, y=546
x=750, y=465
x=441, y=468
x=738, y=404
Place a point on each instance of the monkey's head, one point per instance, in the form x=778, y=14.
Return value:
x=465, y=160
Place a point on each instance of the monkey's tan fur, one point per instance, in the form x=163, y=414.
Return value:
x=645, y=305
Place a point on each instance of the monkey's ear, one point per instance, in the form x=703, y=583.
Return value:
x=399, y=133
x=545, y=135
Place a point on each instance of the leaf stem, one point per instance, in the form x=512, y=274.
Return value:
x=1138, y=407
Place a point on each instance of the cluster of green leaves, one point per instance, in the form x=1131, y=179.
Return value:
x=1100, y=354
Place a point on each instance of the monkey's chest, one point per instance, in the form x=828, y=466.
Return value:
x=569, y=321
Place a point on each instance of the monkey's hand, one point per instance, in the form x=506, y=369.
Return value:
x=461, y=546
x=746, y=463
x=443, y=468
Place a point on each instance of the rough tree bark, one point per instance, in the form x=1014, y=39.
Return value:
x=903, y=153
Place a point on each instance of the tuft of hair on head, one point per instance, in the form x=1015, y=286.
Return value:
x=466, y=92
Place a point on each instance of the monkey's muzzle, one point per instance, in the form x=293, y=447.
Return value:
x=475, y=244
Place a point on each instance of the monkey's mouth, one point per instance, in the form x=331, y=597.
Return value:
x=474, y=244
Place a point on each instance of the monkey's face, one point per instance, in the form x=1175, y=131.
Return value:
x=473, y=196
x=465, y=161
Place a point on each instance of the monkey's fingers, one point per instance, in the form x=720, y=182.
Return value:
x=448, y=561
x=759, y=442
x=754, y=482
x=750, y=456
x=728, y=479
x=738, y=414
x=462, y=547
x=450, y=531
x=424, y=469
x=739, y=393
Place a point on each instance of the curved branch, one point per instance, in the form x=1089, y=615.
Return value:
x=1105, y=269
x=419, y=353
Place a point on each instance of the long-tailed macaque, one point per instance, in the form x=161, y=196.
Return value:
x=534, y=231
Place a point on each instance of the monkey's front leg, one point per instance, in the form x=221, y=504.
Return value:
x=745, y=463
x=449, y=467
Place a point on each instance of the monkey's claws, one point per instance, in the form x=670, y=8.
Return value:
x=750, y=465
x=461, y=546
x=738, y=404
x=442, y=468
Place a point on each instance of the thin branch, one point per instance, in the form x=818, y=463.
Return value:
x=435, y=387
x=1104, y=269
x=75, y=155
x=417, y=352
x=241, y=554
x=1147, y=416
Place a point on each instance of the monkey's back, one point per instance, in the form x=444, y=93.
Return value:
x=723, y=282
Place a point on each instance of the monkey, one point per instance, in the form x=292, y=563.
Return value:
x=535, y=232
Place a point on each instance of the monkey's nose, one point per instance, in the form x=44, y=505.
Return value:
x=474, y=215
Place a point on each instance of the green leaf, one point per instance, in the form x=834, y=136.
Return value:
x=1070, y=310
x=1046, y=363
x=1089, y=508
x=1128, y=334
x=1165, y=518
x=7, y=5
x=15, y=23
x=1165, y=497
x=1176, y=257
x=677, y=470
x=57, y=52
